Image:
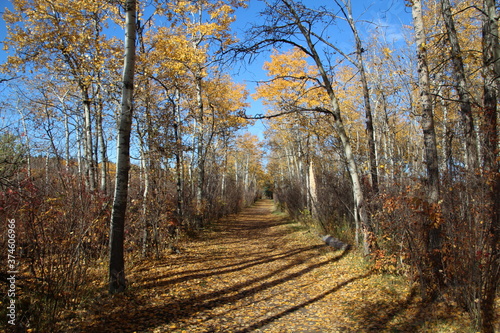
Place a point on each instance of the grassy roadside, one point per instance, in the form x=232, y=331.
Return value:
x=383, y=302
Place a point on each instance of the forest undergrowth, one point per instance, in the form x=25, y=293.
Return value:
x=258, y=271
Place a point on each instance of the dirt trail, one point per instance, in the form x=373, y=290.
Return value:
x=253, y=273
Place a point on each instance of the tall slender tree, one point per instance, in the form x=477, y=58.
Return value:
x=433, y=229
x=346, y=8
x=117, y=282
x=461, y=86
x=491, y=93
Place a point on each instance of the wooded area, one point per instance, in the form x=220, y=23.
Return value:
x=111, y=150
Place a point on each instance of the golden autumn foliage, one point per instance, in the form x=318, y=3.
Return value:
x=65, y=36
x=203, y=252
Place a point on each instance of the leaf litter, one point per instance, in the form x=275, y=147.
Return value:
x=257, y=272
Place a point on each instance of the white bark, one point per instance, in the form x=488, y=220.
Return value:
x=116, y=261
x=312, y=190
x=88, y=146
x=427, y=122
x=461, y=87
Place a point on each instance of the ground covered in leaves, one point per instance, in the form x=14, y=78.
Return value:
x=258, y=272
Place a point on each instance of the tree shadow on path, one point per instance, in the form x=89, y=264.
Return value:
x=264, y=266
x=143, y=317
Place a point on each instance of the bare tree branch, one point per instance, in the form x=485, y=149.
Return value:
x=285, y=113
x=9, y=79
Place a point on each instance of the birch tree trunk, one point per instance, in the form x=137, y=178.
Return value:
x=102, y=151
x=312, y=191
x=461, y=87
x=144, y=178
x=446, y=142
x=200, y=153
x=390, y=151
x=366, y=98
x=117, y=281
x=88, y=146
x=145, y=193
x=79, y=148
x=432, y=279
x=427, y=122
x=179, y=161
x=28, y=143
x=67, y=142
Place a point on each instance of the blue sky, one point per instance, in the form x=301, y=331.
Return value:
x=3, y=4
x=390, y=14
